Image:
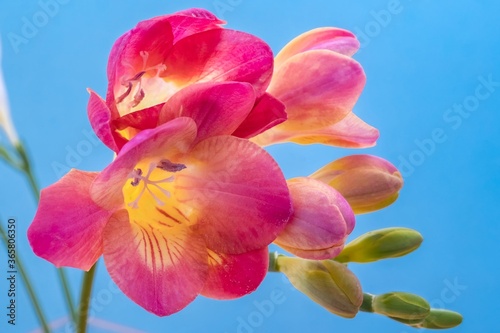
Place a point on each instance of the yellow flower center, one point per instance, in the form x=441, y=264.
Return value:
x=149, y=194
x=161, y=222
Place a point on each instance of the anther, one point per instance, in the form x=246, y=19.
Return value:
x=169, y=166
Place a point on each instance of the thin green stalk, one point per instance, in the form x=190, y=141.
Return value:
x=273, y=262
x=88, y=280
x=67, y=294
x=366, y=306
x=29, y=288
x=25, y=167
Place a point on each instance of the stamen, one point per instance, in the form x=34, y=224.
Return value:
x=137, y=176
x=136, y=81
x=138, y=97
x=125, y=94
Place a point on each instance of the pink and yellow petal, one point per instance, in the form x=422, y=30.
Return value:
x=321, y=221
x=237, y=192
x=333, y=39
x=319, y=88
x=162, y=269
x=234, y=275
x=216, y=108
x=350, y=132
x=67, y=228
x=220, y=55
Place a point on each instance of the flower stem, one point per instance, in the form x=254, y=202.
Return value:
x=25, y=167
x=88, y=280
x=366, y=306
x=29, y=288
x=273, y=265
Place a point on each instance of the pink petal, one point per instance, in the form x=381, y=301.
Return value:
x=100, y=119
x=234, y=275
x=267, y=113
x=67, y=228
x=318, y=88
x=321, y=221
x=216, y=108
x=161, y=270
x=333, y=39
x=350, y=132
x=191, y=21
x=237, y=192
x=220, y=55
x=170, y=139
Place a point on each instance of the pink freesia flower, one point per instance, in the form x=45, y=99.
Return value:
x=319, y=83
x=161, y=56
x=321, y=221
x=184, y=209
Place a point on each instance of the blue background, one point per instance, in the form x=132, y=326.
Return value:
x=419, y=62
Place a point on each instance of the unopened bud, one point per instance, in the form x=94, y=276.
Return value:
x=399, y=305
x=381, y=244
x=367, y=182
x=328, y=283
x=321, y=220
x=441, y=319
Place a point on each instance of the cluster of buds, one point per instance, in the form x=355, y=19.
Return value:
x=332, y=285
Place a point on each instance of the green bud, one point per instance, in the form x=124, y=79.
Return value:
x=381, y=244
x=398, y=305
x=441, y=319
x=328, y=283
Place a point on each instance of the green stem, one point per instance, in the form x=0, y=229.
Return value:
x=25, y=167
x=366, y=306
x=273, y=262
x=88, y=280
x=29, y=288
x=67, y=294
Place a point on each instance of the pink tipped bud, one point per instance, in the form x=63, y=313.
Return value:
x=368, y=183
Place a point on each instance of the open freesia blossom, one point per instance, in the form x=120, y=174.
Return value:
x=161, y=56
x=319, y=83
x=179, y=212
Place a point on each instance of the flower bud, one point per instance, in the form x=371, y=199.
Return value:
x=381, y=244
x=321, y=221
x=367, y=182
x=328, y=283
x=440, y=319
x=399, y=305
x=5, y=121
